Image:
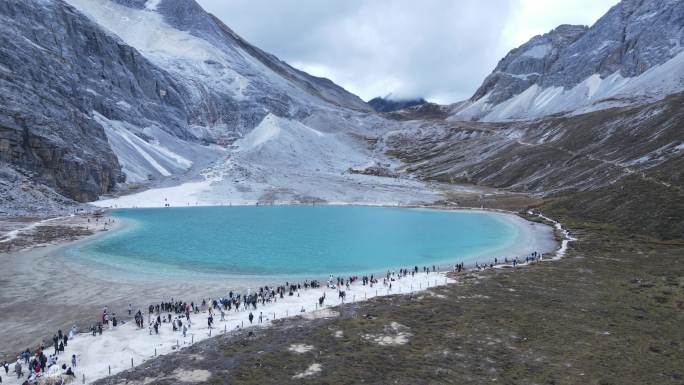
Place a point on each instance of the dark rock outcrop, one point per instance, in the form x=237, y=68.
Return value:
x=380, y=104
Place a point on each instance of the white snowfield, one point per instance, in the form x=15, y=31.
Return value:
x=282, y=161
x=117, y=348
x=163, y=156
x=594, y=93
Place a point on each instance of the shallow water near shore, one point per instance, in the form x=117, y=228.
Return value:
x=297, y=241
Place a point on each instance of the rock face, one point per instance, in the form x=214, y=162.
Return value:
x=380, y=104
x=555, y=155
x=97, y=92
x=56, y=68
x=525, y=65
x=634, y=50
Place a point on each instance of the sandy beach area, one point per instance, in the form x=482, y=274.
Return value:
x=43, y=292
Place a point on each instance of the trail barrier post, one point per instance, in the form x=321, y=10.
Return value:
x=110, y=369
x=192, y=339
x=131, y=362
x=155, y=352
x=84, y=378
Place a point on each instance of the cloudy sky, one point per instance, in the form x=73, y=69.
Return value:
x=438, y=49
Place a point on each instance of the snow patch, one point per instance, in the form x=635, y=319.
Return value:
x=152, y=4
x=538, y=51
x=310, y=371
x=300, y=348
x=395, y=334
x=594, y=93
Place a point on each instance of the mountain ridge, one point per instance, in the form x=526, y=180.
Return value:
x=575, y=67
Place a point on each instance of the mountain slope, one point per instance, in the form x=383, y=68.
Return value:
x=98, y=92
x=632, y=54
x=633, y=154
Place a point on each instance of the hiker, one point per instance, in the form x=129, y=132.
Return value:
x=73, y=360
x=251, y=317
x=18, y=370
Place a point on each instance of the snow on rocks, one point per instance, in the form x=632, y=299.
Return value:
x=310, y=371
x=286, y=161
x=300, y=348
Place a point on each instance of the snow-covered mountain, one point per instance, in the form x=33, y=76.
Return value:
x=633, y=54
x=98, y=92
x=148, y=102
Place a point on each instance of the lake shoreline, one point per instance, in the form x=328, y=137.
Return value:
x=71, y=303
x=530, y=237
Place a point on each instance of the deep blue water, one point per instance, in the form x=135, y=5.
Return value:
x=294, y=240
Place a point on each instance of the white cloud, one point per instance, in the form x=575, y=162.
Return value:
x=536, y=17
x=438, y=49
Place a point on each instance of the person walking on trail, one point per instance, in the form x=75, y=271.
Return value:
x=18, y=370
x=185, y=330
x=73, y=360
x=130, y=309
x=251, y=317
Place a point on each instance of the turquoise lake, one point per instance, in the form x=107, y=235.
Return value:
x=294, y=240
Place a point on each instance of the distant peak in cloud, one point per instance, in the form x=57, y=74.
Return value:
x=389, y=103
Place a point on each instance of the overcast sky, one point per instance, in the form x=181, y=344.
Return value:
x=438, y=49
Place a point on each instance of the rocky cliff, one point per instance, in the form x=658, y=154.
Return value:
x=98, y=92
x=631, y=54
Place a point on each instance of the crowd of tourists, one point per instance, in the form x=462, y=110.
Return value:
x=178, y=314
x=534, y=256
x=33, y=365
